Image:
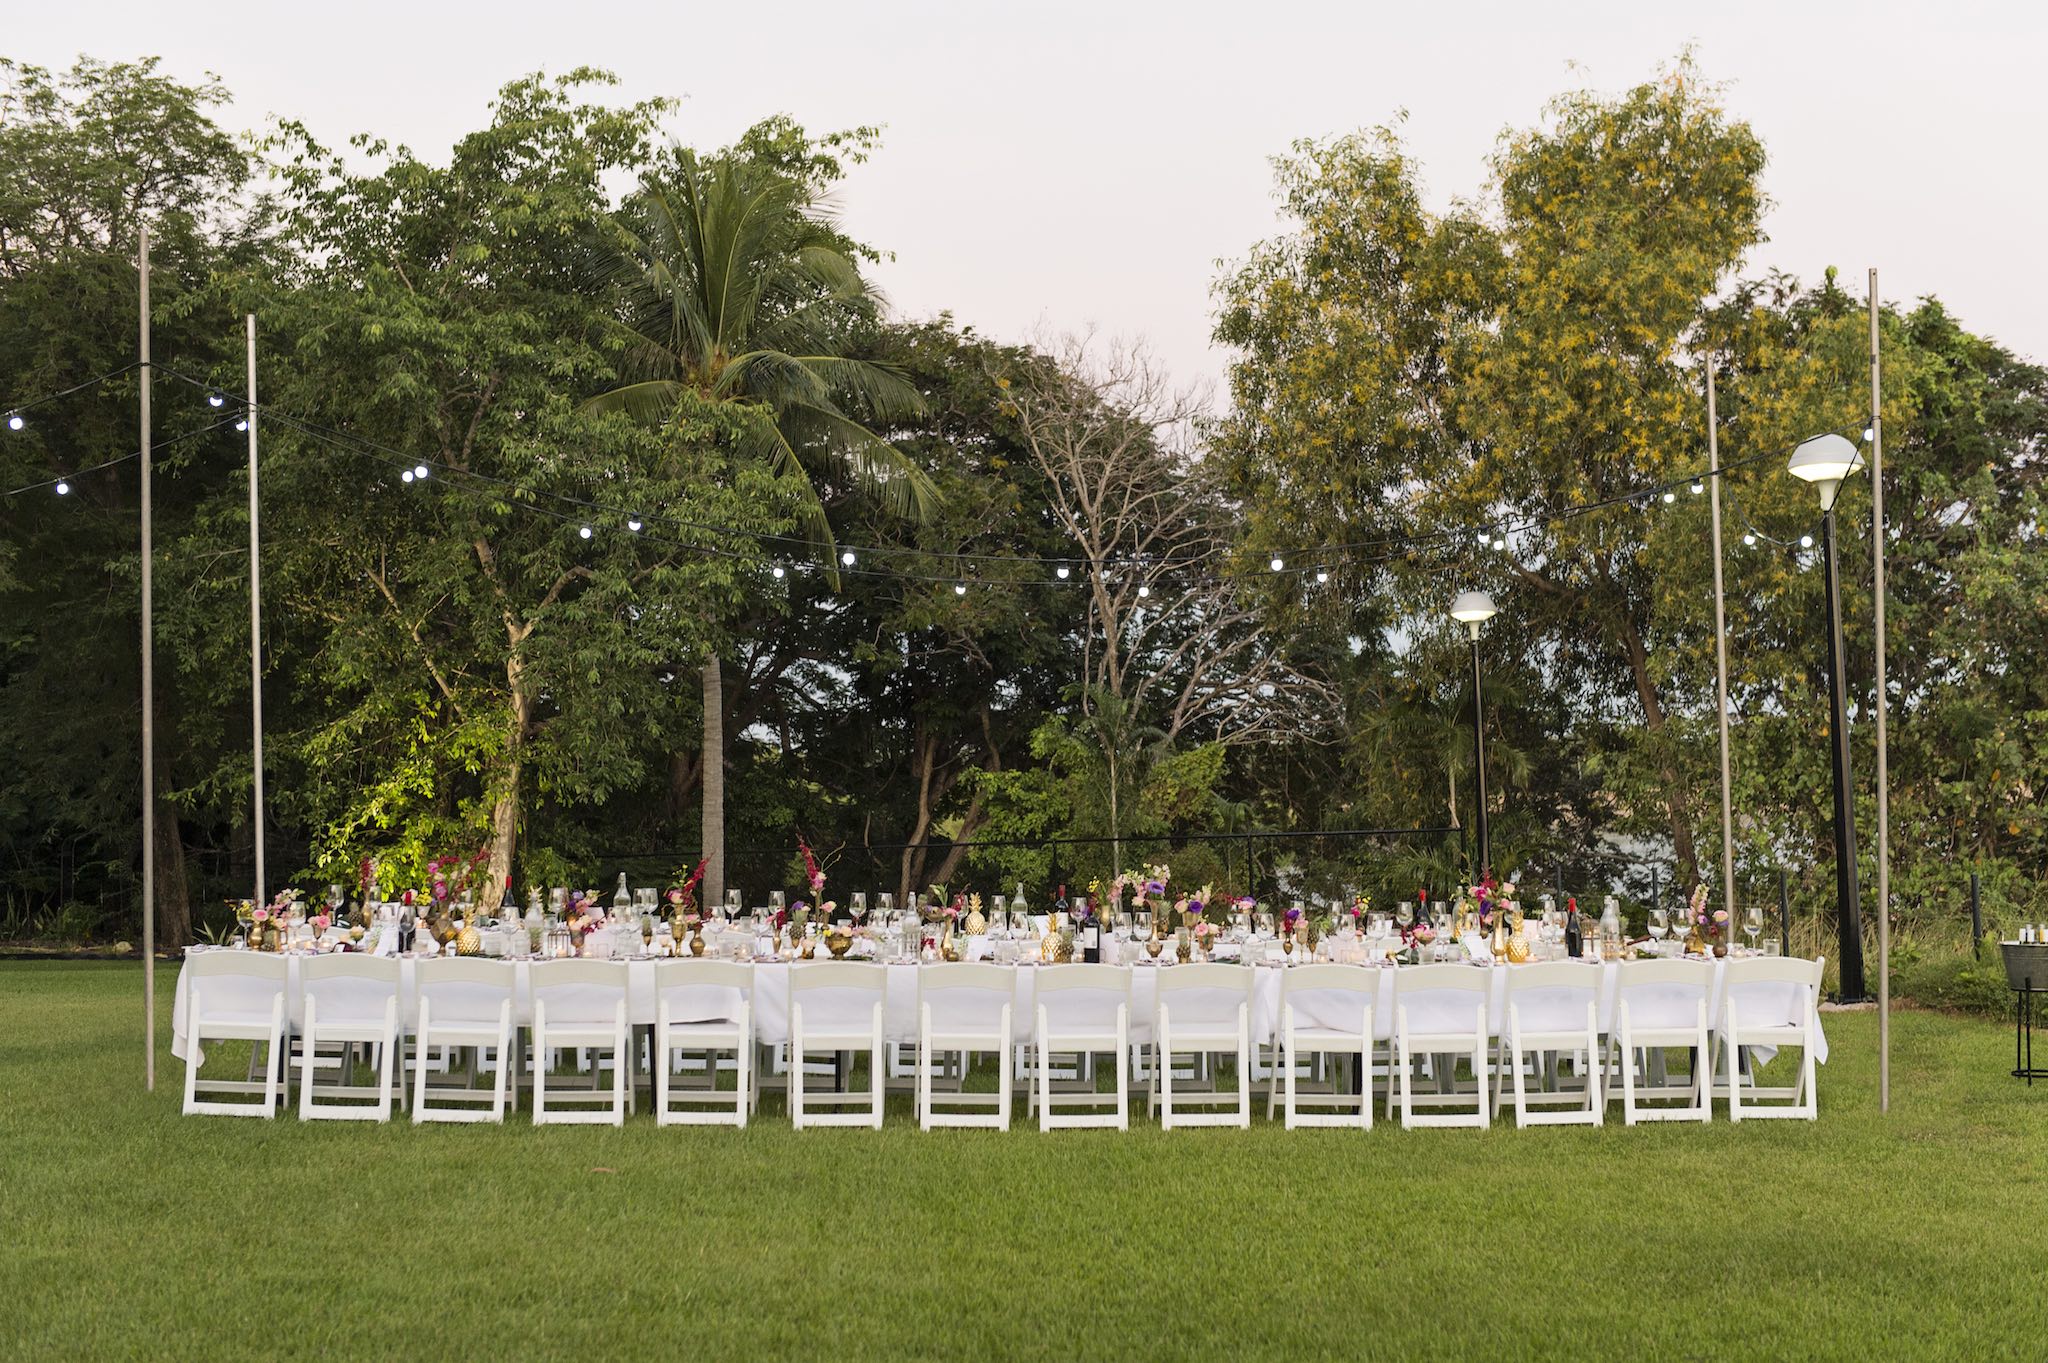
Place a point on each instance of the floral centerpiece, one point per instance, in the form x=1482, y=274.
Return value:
x=686, y=918
x=1709, y=929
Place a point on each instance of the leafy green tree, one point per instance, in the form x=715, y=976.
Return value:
x=740, y=295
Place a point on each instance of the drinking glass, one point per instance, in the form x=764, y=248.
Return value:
x=1752, y=924
x=860, y=906
x=775, y=901
x=885, y=904
x=1657, y=925
x=1144, y=917
x=1265, y=923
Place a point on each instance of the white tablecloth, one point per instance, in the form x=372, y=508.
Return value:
x=899, y=1020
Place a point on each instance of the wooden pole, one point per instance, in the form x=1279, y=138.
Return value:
x=255, y=610
x=148, y=701
x=1721, y=661
x=1884, y=804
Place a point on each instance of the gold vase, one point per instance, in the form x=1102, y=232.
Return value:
x=469, y=942
x=1518, y=946
x=837, y=941
x=697, y=940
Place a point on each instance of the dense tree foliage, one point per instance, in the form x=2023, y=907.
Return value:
x=656, y=395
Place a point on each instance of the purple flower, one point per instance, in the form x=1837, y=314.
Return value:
x=1246, y=902
x=1154, y=887
x=1194, y=908
x=1293, y=917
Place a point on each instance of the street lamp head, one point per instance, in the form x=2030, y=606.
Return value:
x=1825, y=461
x=1473, y=609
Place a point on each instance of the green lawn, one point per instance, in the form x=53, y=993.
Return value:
x=127, y=1229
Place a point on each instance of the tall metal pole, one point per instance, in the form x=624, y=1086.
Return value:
x=1485, y=860
x=1848, y=917
x=1884, y=803
x=255, y=609
x=1721, y=660
x=148, y=704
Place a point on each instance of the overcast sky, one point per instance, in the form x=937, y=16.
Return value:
x=1052, y=166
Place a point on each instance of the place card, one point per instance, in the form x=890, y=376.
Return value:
x=1476, y=949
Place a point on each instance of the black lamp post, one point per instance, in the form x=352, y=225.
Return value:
x=1473, y=609
x=1825, y=461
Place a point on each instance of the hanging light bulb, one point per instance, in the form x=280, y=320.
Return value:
x=419, y=471
x=777, y=570
x=1806, y=541
x=1500, y=544
x=1144, y=591
x=1322, y=576
x=63, y=489
x=1670, y=497
x=1749, y=540
x=585, y=532
x=959, y=589
x=1869, y=433
x=405, y=477
x=1698, y=487
x=846, y=559
x=214, y=399
x=1061, y=572
x=634, y=525
x=1277, y=565
x=14, y=421
x=242, y=425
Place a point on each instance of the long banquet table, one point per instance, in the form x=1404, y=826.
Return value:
x=771, y=1000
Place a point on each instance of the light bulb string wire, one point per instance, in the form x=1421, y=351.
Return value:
x=166, y=443
x=18, y=408
x=1311, y=557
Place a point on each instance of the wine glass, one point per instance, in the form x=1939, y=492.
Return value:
x=775, y=901
x=1658, y=925
x=1752, y=925
x=860, y=907
x=885, y=904
x=1144, y=917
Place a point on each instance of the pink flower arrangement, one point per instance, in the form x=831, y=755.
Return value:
x=813, y=875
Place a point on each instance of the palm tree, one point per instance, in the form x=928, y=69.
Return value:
x=738, y=291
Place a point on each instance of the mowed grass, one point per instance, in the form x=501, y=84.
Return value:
x=127, y=1229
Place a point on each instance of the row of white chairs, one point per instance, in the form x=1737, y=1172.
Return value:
x=1328, y=1013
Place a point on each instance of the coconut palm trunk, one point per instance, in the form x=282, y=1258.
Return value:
x=713, y=889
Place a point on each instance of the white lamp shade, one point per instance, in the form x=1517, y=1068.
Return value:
x=1473, y=607
x=1825, y=459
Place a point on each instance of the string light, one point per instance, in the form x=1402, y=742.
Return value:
x=1061, y=572
x=777, y=570
x=1869, y=434
x=846, y=559
x=1749, y=540
x=14, y=421
x=1322, y=576
x=63, y=489
x=1669, y=497
x=1698, y=487
x=1806, y=541
x=405, y=477
x=1500, y=544
x=959, y=589
x=634, y=525
x=214, y=399
x=584, y=532
x=1277, y=564
x=242, y=425
x=419, y=471
x=1144, y=591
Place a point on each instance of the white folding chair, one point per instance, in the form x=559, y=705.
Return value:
x=235, y=996
x=1661, y=1004
x=1770, y=1001
x=1083, y=1009
x=1440, y=1009
x=1329, y=1010
x=965, y=1007
x=351, y=998
x=581, y=1003
x=465, y=1001
x=704, y=1006
x=1551, y=1006
x=1203, y=1007
x=836, y=1006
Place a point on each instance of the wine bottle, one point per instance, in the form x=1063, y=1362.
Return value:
x=1091, y=933
x=1574, y=940
x=508, y=904
x=1059, y=904
x=622, y=900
